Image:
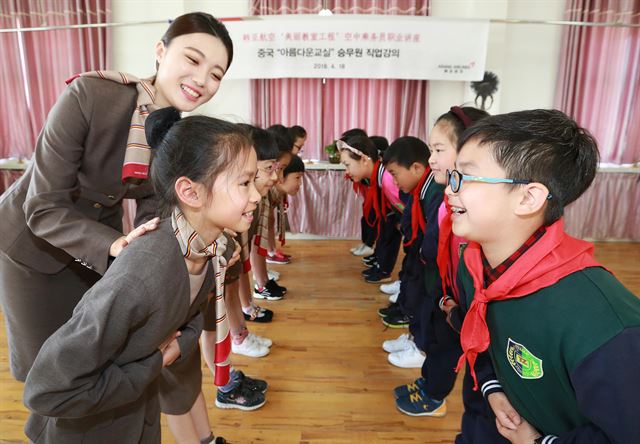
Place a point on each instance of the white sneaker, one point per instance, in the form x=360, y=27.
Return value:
x=408, y=358
x=250, y=347
x=261, y=340
x=391, y=287
x=364, y=251
x=273, y=275
x=356, y=248
x=393, y=298
x=402, y=342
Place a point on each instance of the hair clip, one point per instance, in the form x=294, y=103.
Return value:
x=342, y=145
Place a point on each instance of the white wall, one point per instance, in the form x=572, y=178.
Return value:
x=133, y=46
x=525, y=57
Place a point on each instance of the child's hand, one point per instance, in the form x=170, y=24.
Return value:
x=506, y=415
x=524, y=434
x=447, y=303
x=235, y=257
x=118, y=245
x=170, y=349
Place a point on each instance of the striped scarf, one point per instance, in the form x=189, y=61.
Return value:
x=280, y=202
x=261, y=236
x=137, y=155
x=192, y=247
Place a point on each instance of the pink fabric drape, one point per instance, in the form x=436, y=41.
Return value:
x=36, y=64
x=599, y=77
x=326, y=206
x=608, y=210
x=389, y=108
x=290, y=102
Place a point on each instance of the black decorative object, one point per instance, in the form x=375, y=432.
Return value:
x=485, y=89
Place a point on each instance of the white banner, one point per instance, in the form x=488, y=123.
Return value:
x=358, y=46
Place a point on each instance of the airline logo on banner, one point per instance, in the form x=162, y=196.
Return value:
x=358, y=46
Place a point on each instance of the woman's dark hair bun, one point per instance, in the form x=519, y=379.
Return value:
x=158, y=124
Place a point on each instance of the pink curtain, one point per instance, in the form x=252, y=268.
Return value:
x=389, y=108
x=608, y=210
x=325, y=206
x=599, y=76
x=36, y=64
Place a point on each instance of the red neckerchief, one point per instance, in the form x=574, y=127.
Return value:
x=444, y=248
x=358, y=187
x=551, y=258
x=417, y=218
x=375, y=200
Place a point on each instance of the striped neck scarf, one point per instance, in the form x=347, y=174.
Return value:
x=138, y=154
x=261, y=217
x=193, y=247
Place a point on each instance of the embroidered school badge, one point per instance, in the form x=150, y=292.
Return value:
x=526, y=364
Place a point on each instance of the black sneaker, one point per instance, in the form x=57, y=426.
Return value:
x=259, y=314
x=370, y=261
x=265, y=293
x=255, y=385
x=367, y=271
x=396, y=321
x=273, y=287
x=376, y=276
x=241, y=398
x=390, y=310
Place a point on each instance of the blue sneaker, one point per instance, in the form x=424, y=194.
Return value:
x=419, y=404
x=407, y=389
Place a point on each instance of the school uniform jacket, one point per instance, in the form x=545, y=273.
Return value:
x=68, y=204
x=420, y=264
x=96, y=379
x=567, y=356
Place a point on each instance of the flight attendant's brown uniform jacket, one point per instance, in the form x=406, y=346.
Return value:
x=65, y=212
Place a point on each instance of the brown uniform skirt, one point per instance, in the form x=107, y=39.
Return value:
x=46, y=302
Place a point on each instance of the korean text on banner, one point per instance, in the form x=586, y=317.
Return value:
x=358, y=46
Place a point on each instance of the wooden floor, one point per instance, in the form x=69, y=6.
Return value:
x=329, y=378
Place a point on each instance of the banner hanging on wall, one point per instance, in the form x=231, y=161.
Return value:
x=358, y=46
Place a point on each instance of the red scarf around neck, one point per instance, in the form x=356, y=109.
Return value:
x=375, y=199
x=554, y=256
x=417, y=217
x=444, y=248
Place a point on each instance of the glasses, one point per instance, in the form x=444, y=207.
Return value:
x=273, y=168
x=455, y=179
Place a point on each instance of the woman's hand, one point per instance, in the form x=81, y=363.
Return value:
x=170, y=349
x=118, y=245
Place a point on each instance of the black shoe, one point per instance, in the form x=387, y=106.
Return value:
x=396, y=321
x=259, y=314
x=370, y=261
x=367, y=271
x=241, y=398
x=266, y=294
x=255, y=385
x=390, y=310
x=376, y=276
x=368, y=258
x=273, y=287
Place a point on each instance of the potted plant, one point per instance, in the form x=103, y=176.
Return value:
x=332, y=151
